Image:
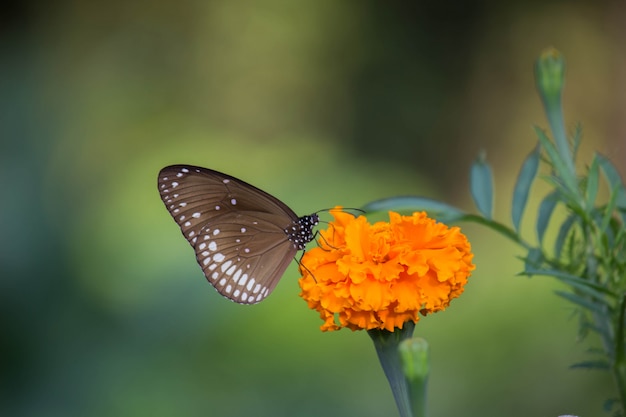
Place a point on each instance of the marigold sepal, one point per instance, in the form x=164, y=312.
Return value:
x=414, y=356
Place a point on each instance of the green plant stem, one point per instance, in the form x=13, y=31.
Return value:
x=386, y=344
x=498, y=227
x=554, y=112
x=619, y=366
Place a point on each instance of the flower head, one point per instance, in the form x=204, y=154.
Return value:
x=379, y=276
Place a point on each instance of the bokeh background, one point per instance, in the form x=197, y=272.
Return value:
x=103, y=310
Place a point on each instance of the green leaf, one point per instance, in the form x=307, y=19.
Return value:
x=615, y=183
x=599, y=364
x=409, y=204
x=532, y=261
x=613, y=178
x=608, y=214
x=544, y=213
x=577, y=139
x=522, y=186
x=563, y=233
x=569, y=181
x=592, y=183
x=585, y=286
x=581, y=302
x=481, y=186
x=608, y=405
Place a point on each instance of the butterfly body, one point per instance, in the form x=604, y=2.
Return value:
x=243, y=237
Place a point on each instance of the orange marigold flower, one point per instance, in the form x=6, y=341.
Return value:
x=381, y=275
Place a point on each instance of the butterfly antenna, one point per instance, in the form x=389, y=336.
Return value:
x=346, y=209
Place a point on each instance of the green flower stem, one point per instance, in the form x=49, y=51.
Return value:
x=386, y=344
x=498, y=227
x=619, y=366
x=416, y=367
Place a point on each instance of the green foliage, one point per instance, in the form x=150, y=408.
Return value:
x=588, y=254
x=481, y=186
x=522, y=186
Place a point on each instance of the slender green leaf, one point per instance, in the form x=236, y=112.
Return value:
x=613, y=178
x=533, y=261
x=586, y=326
x=608, y=214
x=563, y=233
x=591, y=288
x=581, y=302
x=526, y=176
x=544, y=213
x=592, y=183
x=481, y=186
x=619, y=337
x=615, y=183
x=559, y=165
x=576, y=139
x=409, y=204
x=609, y=404
x=599, y=364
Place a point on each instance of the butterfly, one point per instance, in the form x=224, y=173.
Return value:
x=243, y=237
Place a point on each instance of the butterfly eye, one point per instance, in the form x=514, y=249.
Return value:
x=243, y=237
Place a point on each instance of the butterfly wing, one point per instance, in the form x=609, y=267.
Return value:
x=236, y=229
x=242, y=258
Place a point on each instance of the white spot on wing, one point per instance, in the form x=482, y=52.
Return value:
x=226, y=265
x=212, y=246
x=196, y=215
x=218, y=257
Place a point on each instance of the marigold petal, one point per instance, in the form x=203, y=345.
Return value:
x=381, y=275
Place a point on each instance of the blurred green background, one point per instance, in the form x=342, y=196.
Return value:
x=103, y=310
